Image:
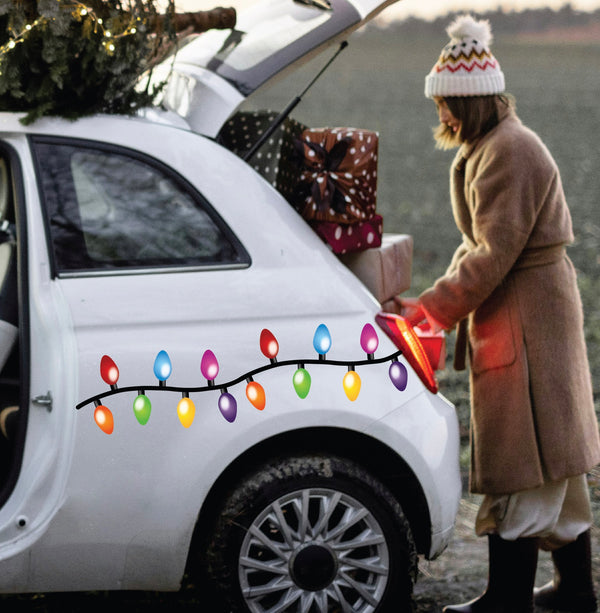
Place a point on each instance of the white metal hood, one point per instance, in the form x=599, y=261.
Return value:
x=217, y=70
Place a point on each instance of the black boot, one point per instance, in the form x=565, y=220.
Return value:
x=573, y=587
x=510, y=580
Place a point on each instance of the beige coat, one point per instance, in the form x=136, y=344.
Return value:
x=532, y=411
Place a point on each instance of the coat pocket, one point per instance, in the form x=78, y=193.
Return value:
x=492, y=332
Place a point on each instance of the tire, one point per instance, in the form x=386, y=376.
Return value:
x=312, y=534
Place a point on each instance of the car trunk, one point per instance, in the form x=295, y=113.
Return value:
x=214, y=72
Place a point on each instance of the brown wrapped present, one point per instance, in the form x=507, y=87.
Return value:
x=338, y=182
x=385, y=270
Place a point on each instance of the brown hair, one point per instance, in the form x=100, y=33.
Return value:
x=477, y=114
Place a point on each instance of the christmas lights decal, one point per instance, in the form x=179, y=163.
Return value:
x=255, y=393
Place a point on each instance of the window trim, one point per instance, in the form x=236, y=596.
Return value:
x=245, y=261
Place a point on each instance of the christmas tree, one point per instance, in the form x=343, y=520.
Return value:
x=69, y=58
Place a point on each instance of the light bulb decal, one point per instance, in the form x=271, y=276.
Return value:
x=255, y=394
x=399, y=375
x=269, y=345
x=209, y=367
x=109, y=371
x=142, y=408
x=351, y=384
x=186, y=410
x=162, y=367
x=104, y=418
x=227, y=406
x=301, y=381
x=322, y=341
x=369, y=341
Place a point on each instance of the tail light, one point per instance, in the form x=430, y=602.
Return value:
x=406, y=339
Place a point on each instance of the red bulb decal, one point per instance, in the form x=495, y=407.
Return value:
x=109, y=371
x=269, y=345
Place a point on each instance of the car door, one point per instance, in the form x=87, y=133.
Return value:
x=105, y=236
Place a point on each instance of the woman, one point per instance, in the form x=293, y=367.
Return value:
x=512, y=292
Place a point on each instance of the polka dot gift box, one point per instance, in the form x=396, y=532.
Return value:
x=274, y=160
x=349, y=238
x=338, y=182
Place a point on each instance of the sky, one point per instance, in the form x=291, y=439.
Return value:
x=426, y=9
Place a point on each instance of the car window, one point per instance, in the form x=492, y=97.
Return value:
x=109, y=209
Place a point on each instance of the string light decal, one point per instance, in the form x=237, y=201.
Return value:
x=269, y=345
x=186, y=410
x=302, y=381
x=228, y=406
x=104, y=418
x=255, y=392
x=398, y=375
x=109, y=371
x=351, y=384
x=322, y=341
x=369, y=341
x=209, y=367
x=162, y=367
x=142, y=407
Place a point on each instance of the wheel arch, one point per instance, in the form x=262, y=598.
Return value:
x=376, y=457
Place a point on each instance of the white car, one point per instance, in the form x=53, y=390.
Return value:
x=183, y=341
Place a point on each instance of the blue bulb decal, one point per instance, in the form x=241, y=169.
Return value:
x=322, y=340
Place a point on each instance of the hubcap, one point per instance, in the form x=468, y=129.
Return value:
x=313, y=568
x=315, y=550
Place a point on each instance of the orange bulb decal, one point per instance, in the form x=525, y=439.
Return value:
x=104, y=419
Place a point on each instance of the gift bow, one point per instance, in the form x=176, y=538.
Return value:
x=323, y=164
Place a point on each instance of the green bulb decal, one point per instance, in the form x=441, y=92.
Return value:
x=302, y=382
x=141, y=409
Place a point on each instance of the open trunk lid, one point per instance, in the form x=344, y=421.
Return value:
x=216, y=71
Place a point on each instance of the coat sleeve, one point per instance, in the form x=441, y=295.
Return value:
x=502, y=202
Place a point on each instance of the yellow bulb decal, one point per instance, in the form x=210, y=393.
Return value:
x=351, y=384
x=186, y=411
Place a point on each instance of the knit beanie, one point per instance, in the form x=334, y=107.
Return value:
x=466, y=66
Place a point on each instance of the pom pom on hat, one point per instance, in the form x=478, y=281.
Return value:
x=466, y=66
x=466, y=27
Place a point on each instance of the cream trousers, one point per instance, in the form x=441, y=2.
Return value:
x=557, y=513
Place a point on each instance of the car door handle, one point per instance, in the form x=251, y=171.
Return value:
x=44, y=400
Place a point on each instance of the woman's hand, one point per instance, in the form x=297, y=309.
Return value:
x=412, y=310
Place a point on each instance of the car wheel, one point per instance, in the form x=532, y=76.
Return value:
x=312, y=534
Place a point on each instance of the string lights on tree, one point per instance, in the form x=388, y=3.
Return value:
x=72, y=58
x=80, y=12
x=255, y=392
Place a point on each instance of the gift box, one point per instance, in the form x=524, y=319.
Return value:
x=350, y=238
x=338, y=182
x=275, y=160
x=434, y=344
x=386, y=270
